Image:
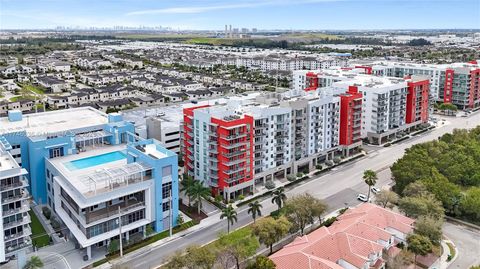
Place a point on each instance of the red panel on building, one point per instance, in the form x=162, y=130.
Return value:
x=417, y=101
x=350, y=116
x=474, y=95
x=235, y=151
x=368, y=69
x=448, y=87
x=312, y=82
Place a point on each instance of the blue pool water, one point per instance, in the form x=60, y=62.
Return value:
x=95, y=160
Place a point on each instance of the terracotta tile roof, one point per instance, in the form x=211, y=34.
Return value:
x=353, y=239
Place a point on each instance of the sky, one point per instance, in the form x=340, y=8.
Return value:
x=261, y=14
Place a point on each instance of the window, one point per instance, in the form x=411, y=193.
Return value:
x=167, y=171
x=56, y=152
x=166, y=190
x=166, y=206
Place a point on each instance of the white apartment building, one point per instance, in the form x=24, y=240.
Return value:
x=383, y=107
x=15, y=206
x=166, y=128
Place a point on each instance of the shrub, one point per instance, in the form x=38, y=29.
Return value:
x=337, y=160
x=401, y=245
x=341, y=211
x=113, y=246
x=318, y=167
x=55, y=223
x=328, y=222
x=270, y=184
x=46, y=212
x=241, y=197
x=299, y=174
x=329, y=162
x=180, y=220
x=291, y=178
x=218, y=198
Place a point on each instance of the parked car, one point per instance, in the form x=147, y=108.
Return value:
x=362, y=197
x=375, y=190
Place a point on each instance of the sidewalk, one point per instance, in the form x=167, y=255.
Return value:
x=443, y=263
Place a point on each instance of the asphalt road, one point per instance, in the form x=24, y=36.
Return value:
x=336, y=188
x=467, y=241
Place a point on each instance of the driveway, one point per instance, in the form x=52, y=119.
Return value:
x=467, y=241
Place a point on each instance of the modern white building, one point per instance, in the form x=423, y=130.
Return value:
x=15, y=206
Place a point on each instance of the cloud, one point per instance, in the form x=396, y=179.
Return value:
x=202, y=9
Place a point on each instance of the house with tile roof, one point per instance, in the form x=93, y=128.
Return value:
x=356, y=240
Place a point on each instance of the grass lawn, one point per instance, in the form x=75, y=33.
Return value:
x=29, y=87
x=40, y=238
x=452, y=250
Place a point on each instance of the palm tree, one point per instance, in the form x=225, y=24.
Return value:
x=197, y=192
x=230, y=214
x=279, y=197
x=186, y=187
x=254, y=209
x=370, y=178
x=33, y=263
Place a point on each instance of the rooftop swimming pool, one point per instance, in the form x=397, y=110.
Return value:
x=95, y=160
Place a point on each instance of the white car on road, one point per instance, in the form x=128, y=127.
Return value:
x=375, y=190
x=362, y=197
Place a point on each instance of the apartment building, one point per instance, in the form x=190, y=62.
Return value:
x=219, y=149
x=272, y=136
x=15, y=206
x=94, y=173
x=358, y=239
x=383, y=101
x=456, y=83
x=100, y=192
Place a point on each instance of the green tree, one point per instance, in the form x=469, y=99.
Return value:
x=186, y=186
x=470, y=204
x=199, y=258
x=430, y=228
x=270, y=230
x=113, y=246
x=301, y=210
x=33, y=263
x=419, y=245
x=230, y=215
x=199, y=192
x=386, y=198
x=426, y=205
x=370, y=178
x=254, y=209
x=176, y=261
x=279, y=197
x=236, y=246
x=261, y=262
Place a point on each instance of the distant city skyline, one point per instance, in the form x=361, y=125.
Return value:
x=260, y=14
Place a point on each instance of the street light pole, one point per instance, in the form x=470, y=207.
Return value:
x=170, y=215
x=120, y=231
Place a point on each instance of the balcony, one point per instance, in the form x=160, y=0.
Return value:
x=234, y=145
x=235, y=153
x=25, y=232
x=234, y=162
x=13, y=198
x=23, y=208
x=233, y=136
x=21, y=184
x=24, y=220
x=27, y=242
x=110, y=211
x=235, y=170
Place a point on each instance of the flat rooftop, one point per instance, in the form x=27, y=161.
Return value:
x=7, y=162
x=43, y=123
x=104, y=176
